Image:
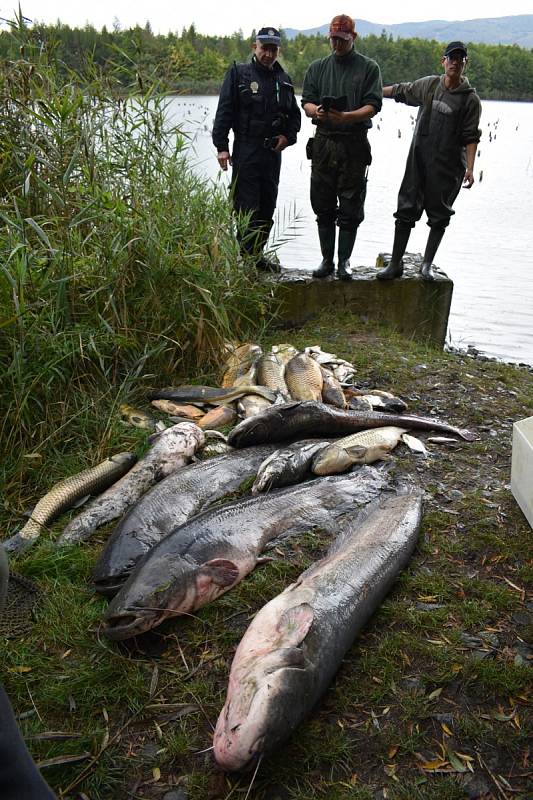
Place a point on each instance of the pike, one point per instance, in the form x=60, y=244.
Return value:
x=66, y=494
x=167, y=505
x=170, y=449
x=206, y=557
x=295, y=644
x=305, y=419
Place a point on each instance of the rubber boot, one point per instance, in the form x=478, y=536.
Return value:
x=326, y=234
x=263, y=263
x=344, y=251
x=433, y=242
x=395, y=266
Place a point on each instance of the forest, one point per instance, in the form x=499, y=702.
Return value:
x=189, y=62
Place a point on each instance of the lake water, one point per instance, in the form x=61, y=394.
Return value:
x=487, y=250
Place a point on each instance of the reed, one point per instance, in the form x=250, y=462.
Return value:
x=118, y=265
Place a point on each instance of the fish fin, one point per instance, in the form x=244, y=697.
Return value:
x=467, y=435
x=356, y=450
x=81, y=502
x=221, y=571
x=295, y=622
x=265, y=560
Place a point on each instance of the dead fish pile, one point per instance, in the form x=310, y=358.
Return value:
x=168, y=504
x=208, y=555
x=252, y=381
x=170, y=449
x=66, y=494
x=295, y=644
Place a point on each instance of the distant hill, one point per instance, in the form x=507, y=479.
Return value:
x=494, y=30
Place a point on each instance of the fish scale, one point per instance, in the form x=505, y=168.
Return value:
x=304, y=378
x=65, y=494
x=270, y=373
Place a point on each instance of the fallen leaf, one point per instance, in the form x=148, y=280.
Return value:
x=392, y=751
x=156, y=772
x=430, y=766
x=435, y=693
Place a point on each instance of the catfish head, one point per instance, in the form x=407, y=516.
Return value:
x=267, y=687
x=166, y=586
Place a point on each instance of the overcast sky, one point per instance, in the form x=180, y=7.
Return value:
x=225, y=16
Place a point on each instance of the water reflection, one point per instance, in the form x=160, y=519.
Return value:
x=487, y=251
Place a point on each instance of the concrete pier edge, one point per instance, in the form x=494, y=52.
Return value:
x=415, y=308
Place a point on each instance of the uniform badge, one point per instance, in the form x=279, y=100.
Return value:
x=254, y=86
x=271, y=32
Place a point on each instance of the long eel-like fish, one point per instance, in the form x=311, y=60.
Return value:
x=65, y=494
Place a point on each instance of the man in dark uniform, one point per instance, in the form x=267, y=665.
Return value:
x=341, y=93
x=256, y=101
x=441, y=157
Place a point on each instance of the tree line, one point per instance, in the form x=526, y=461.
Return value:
x=191, y=62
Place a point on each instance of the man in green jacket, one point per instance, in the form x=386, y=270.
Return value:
x=441, y=157
x=341, y=93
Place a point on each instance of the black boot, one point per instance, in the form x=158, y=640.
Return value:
x=344, y=251
x=395, y=267
x=433, y=242
x=326, y=234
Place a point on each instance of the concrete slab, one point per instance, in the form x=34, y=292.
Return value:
x=522, y=466
x=412, y=306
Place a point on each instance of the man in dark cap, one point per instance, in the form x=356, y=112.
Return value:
x=257, y=102
x=441, y=157
x=341, y=93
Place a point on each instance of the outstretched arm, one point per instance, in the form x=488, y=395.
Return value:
x=471, y=150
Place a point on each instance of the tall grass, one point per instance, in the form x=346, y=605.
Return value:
x=118, y=265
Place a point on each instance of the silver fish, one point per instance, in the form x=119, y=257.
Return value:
x=284, y=352
x=170, y=449
x=207, y=556
x=252, y=404
x=332, y=390
x=65, y=494
x=286, y=467
x=295, y=644
x=167, y=505
x=299, y=420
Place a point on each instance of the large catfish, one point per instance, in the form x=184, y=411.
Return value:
x=169, y=504
x=212, y=552
x=295, y=644
x=297, y=420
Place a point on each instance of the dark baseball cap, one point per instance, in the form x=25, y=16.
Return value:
x=455, y=47
x=342, y=27
x=269, y=36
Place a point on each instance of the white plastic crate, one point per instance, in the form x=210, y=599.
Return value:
x=522, y=466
